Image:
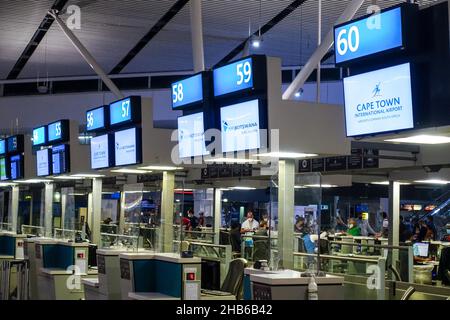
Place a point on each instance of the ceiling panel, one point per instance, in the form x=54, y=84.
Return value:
x=109, y=29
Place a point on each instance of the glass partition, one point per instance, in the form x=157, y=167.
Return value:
x=5, y=225
x=30, y=218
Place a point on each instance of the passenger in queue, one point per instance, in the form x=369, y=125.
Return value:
x=353, y=228
x=432, y=232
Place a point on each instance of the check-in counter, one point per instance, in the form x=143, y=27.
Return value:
x=290, y=285
x=30, y=255
x=11, y=245
x=163, y=273
x=60, y=267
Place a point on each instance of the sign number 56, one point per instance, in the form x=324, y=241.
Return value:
x=348, y=41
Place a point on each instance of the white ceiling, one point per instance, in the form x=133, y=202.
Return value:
x=110, y=28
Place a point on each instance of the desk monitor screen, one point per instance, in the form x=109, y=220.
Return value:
x=420, y=249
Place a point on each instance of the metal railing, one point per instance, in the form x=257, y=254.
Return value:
x=18, y=289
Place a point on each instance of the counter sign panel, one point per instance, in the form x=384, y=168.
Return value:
x=126, y=111
x=233, y=77
x=187, y=92
x=367, y=36
x=40, y=136
x=95, y=119
x=379, y=101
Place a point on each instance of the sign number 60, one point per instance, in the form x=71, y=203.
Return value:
x=351, y=42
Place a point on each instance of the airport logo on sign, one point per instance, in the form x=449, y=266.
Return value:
x=377, y=91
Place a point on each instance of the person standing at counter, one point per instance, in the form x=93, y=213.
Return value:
x=385, y=225
x=364, y=225
x=250, y=224
x=353, y=228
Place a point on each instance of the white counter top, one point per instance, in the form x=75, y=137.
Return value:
x=91, y=282
x=169, y=257
x=251, y=271
x=36, y=239
x=111, y=252
x=74, y=244
x=290, y=277
x=140, y=255
x=7, y=257
x=150, y=296
x=175, y=257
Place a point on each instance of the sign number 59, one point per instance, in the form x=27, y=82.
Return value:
x=244, y=72
x=351, y=42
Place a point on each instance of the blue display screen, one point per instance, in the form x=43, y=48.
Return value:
x=233, y=77
x=16, y=167
x=120, y=111
x=39, y=136
x=3, y=175
x=55, y=131
x=59, y=159
x=2, y=146
x=12, y=144
x=95, y=119
x=187, y=91
x=377, y=33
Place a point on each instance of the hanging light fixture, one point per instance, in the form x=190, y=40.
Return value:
x=256, y=40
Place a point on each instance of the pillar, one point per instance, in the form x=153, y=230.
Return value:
x=394, y=221
x=197, y=35
x=48, y=209
x=97, y=185
x=217, y=214
x=167, y=201
x=286, y=199
x=14, y=208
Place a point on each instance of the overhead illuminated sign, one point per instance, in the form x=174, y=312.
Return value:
x=15, y=144
x=187, y=92
x=43, y=162
x=40, y=136
x=2, y=147
x=128, y=147
x=16, y=165
x=58, y=131
x=191, y=136
x=125, y=111
x=240, y=126
x=100, y=152
x=379, y=101
x=370, y=35
x=233, y=77
x=3, y=170
x=60, y=159
x=95, y=119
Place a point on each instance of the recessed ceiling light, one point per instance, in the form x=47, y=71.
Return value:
x=433, y=181
x=242, y=188
x=386, y=183
x=161, y=168
x=66, y=178
x=286, y=155
x=87, y=176
x=34, y=181
x=232, y=160
x=422, y=139
x=321, y=186
x=131, y=171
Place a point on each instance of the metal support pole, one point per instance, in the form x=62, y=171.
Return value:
x=320, y=52
x=319, y=41
x=87, y=56
x=197, y=35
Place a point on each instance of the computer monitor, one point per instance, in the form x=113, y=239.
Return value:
x=210, y=274
x=420, y=249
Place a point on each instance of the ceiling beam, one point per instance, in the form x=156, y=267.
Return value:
x=165, y=19
x=264, y=29
x=35, y=40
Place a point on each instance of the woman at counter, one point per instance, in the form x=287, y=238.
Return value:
x=353, y=229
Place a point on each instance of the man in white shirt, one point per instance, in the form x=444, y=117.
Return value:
x=249, y=225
